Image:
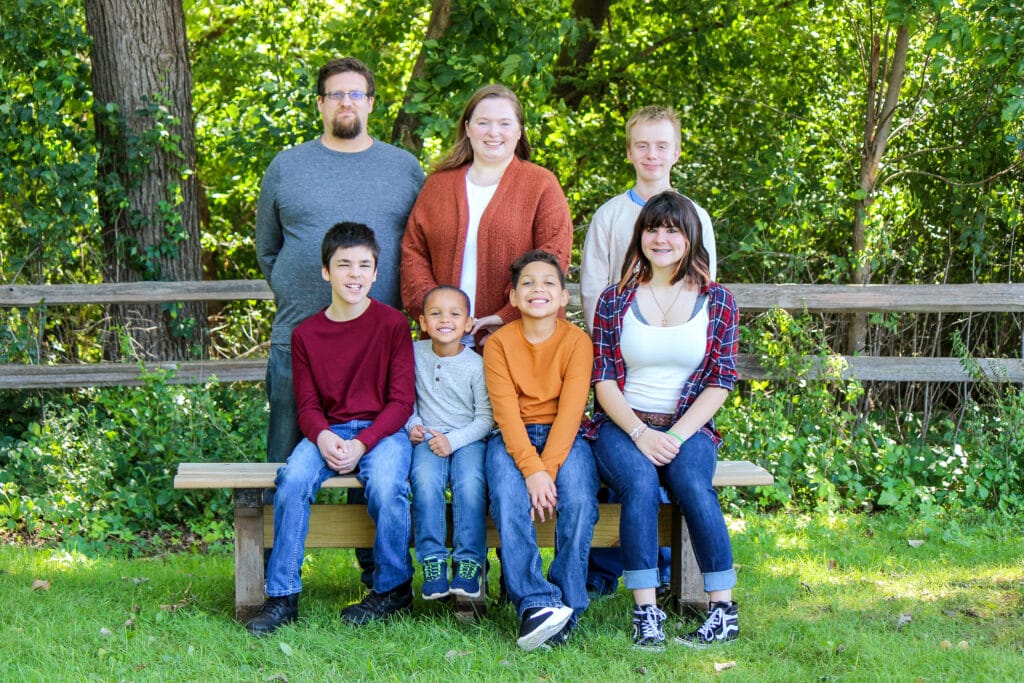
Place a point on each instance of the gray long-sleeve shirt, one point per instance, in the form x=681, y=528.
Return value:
x=305, y=191
x=451, y=395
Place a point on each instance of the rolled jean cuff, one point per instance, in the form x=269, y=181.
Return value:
x=719, y=581
x=636, y=579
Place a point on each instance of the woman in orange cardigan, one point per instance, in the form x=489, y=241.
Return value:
x=484, y=205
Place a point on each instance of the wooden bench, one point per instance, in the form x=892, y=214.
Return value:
x=350, y=526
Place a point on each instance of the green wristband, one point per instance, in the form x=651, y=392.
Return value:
x=676, y=436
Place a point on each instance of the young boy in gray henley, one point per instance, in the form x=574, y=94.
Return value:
x=448, y=429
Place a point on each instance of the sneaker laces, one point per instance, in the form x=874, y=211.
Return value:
x=468, y=569
x=647, y=622
x=712, y=624
x=432, y=570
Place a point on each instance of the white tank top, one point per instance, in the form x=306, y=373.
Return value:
x=659, y=360
x=478, y=198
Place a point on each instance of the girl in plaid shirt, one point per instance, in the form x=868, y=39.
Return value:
x=665, y=342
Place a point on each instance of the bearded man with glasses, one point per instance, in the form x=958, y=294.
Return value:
x=344, y=175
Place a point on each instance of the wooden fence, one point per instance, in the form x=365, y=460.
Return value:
x=1004, y=298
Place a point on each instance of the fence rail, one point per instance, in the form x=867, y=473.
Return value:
x=750, y=297
x=1007, y=298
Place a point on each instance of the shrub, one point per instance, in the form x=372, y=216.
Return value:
x=827, y=455
x=98, y=468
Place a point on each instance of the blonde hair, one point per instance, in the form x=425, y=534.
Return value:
x=650, y=115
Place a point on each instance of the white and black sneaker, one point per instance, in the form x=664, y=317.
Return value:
x=721, y=626
x=648, y=632
x=540, y=623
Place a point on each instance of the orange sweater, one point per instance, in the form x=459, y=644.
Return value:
x=528, y=211
x=545, y=383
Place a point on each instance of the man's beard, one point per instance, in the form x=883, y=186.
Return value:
x=347, y=131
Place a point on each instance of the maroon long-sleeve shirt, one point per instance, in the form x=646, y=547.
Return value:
x=361, y=369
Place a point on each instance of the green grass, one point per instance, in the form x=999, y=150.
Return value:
x=821, y=599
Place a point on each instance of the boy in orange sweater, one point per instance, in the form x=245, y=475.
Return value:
x=538, y=373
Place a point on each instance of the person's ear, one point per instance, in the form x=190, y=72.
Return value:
x=325, y=273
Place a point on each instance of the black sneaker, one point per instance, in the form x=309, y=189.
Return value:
x=376, y=606
x=560, y=638
x=721, y=626
x=648, y=633
x=275, y=612
x=540, y=623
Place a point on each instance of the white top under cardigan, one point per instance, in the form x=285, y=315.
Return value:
x=478, y=197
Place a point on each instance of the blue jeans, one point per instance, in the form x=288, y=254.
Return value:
x=383, y=471
x=283, y=432
x=574, y=528
x=431, y=474
x=688, y=481
x=605, y=565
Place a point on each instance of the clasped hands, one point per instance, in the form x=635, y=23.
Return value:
x=658, y=447
x=341, y=455
x=543, y=495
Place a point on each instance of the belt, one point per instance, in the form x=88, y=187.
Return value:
x=656, y=419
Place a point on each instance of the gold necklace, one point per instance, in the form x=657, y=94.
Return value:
x=664, y=311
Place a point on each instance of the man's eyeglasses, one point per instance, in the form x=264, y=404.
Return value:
x=339, y=95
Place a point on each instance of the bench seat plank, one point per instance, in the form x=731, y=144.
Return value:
x=255, y=475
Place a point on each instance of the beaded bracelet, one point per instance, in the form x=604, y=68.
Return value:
x=635, y=433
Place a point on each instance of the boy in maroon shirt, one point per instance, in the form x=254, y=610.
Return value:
x=354, y=388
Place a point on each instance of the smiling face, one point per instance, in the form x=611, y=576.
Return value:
x=351, y=271
x=653, y=149
x=346, y=119
x=446, y=318
x=664, y=246
x=539, y=292
x=493, y=131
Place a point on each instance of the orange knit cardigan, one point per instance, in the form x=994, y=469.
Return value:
x=528, y=211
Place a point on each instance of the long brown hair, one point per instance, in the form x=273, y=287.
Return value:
x=668, y=208
x=462, y=152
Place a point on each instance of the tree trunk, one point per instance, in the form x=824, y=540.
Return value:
x=573, y=60
x=878, y=118
x=148, y=198
x=405, y=131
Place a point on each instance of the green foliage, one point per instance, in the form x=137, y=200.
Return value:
x=95, y=471
x=48, y=228
x=827, y=455
x=991, y=461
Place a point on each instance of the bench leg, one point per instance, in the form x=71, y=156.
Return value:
x=687, y=584
x=248, y=552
